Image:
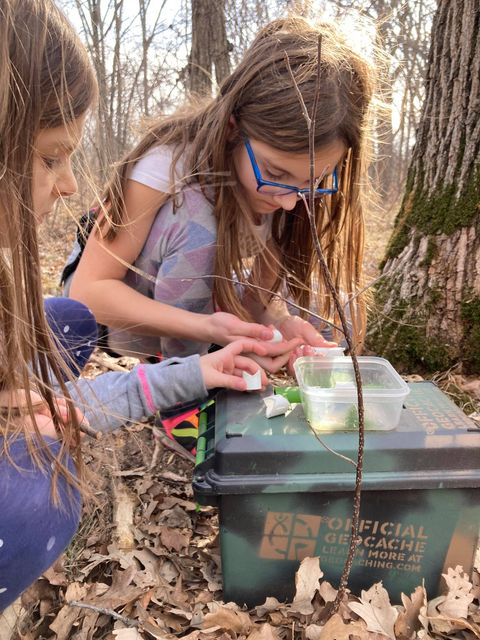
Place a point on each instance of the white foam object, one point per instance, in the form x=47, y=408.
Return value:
x=276, y=405
x=277, y=336
x=254, y=380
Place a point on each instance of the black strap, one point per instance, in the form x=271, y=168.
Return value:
x=84, y=229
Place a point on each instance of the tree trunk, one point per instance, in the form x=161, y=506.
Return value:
x=429, y=297
x=210, y=47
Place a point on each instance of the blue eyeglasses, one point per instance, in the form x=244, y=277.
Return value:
x=278, y=189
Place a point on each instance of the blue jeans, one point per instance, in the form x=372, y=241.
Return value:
x=33, y=530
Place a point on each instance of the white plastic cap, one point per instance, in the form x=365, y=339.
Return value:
x=254, y=380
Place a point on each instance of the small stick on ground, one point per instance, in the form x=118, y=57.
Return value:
x=128, y=622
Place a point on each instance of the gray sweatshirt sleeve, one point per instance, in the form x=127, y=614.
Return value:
x=111, y=399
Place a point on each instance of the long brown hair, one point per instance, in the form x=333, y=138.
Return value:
x=262, y=98
x=46, y=81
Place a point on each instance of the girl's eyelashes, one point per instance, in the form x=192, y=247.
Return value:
x=274, y=176
x=50, y=163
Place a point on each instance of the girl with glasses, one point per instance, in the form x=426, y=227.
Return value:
x=209, y=206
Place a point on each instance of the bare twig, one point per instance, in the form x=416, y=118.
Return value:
x=89, y=431
x=310, y=208
x=173, y=445
x=157, y=449
x=128, y=622
x=103, y=361
x=299, y=93
x=372, y=283
x=274, y=295
x=335, y=453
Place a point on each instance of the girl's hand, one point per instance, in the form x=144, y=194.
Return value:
x=295, y=327
x=41, y=411
x=224, y=368
x=278, y=354
x=223, y=328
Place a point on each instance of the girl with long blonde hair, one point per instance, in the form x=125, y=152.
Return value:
x=202, y=234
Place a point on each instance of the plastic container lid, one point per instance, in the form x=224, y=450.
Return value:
x=329, y=392
x=333, y=376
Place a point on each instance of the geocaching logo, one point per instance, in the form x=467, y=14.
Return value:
x=289, y=536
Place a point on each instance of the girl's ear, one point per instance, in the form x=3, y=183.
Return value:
x=232, y=129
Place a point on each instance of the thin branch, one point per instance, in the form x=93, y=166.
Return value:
x=372, y=283
x=335, y=453
x=129, y=622
x=310, y=207
x=274, y=295
x=298, y=92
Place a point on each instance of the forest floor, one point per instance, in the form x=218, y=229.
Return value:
x=145, y=562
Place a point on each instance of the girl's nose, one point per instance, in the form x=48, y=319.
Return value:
x=66, y=184
x=287, y=200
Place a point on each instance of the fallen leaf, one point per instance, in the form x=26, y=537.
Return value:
x=89, y=623
x=176, y=518
x=228, y=619
x=75, y=591
x=327, y=592
x=128, y=634
x=264, y=632
x=120, y=593
x=407, y=622
x=55, y=574
x=307, y=581
x=270, y=604
x=172, y=539
x=63, y=623
x=472, y=387
x=10, y=618
x=336, y=629
x=313, y=632
x=38, y=591
x=375, y=608
x=459, y=596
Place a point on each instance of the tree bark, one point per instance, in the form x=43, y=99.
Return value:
x=210, y=47
x=428, y=301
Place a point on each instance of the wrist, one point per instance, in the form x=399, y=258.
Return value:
x=279, y=320
x=204, y=328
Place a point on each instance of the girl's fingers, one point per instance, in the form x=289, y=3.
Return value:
x=279, y=348
x=227, y=381
x=258, y=331
x=246, y=345
x=315, y=339
x=245, y=363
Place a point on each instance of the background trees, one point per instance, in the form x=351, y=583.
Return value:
x=430, y=294
x=148, y=54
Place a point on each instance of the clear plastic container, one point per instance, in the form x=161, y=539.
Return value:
x=329, y=394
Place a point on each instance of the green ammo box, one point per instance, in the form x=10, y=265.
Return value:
x=282, y=496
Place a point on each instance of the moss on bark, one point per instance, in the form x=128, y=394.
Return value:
x=402, y=339
x=470, y=313
x=410, y=349
x=442, y=212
